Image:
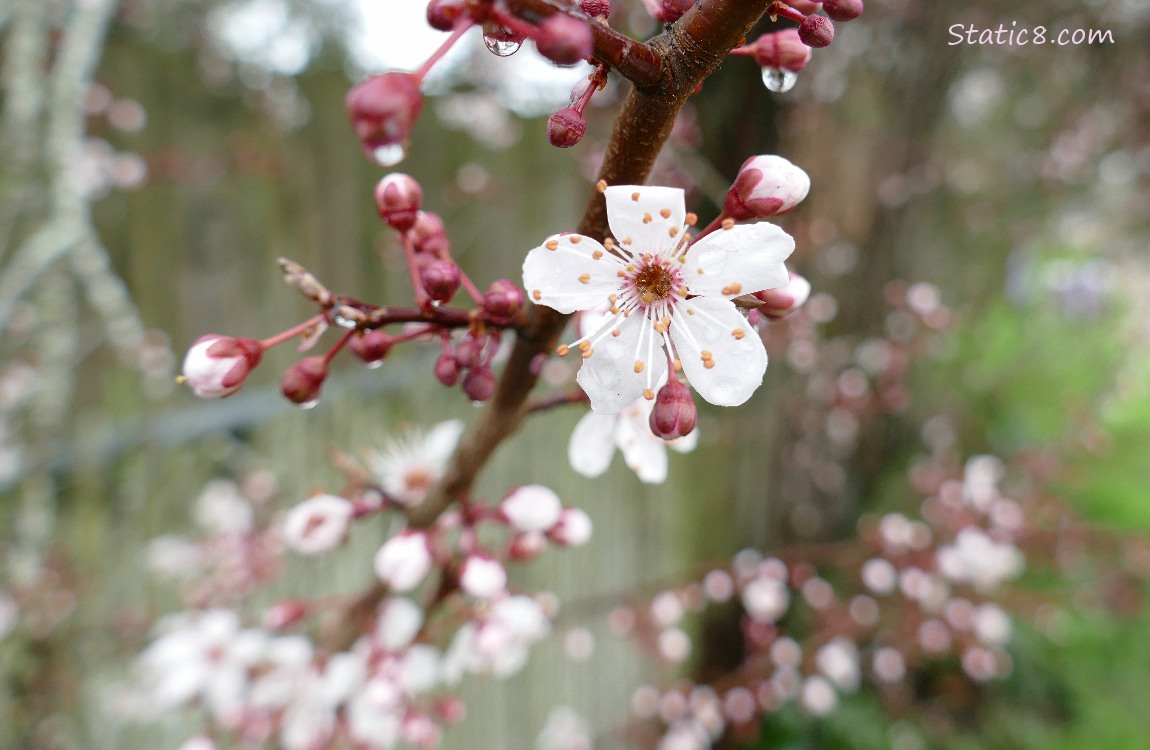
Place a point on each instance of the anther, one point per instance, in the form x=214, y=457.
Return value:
x=635, y=197
x=536, y=295
x=738, y=333
x=552, y=245
x=648, y=394
x=728, y=223
x=585, y=278
x=638, y=366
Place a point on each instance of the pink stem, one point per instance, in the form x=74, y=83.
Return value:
x=436, y=56
x=291, y=333
x=718, y=222
x=421, y=296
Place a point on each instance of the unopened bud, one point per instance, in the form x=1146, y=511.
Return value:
x=398, y=198
x=502, y=301
x=429, y=235
x=479, y=383
x=383, y=111
x=532, y=507
x=674, y=414
x=441, y=279
x=527, y=546
x=783, y=50
x=482, y=577
x=781, y=302
x=302, y=382
x=573, y=528
x=566, y=127
x=446, y=370
x=216, y=366
x=404, y=560
x=596, y=8
x=443, y=15
x=806, y=7
x=285, y=614
x=668, y=11
x=843, y=10
x=817, y=31
x=469, y=352
x=564, y=40
x=370, y=346
x=766, y=186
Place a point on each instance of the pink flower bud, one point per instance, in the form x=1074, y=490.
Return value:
x=782, y=49
x=370, y=346
x=667, y=11
x=532, y=507
x=420, y=731
x=404, y=561
x=766, y=186
x=441, y=279
x=482, y=577
x=843, y=10
x=479, y=383
x=564, y=40
x=429, y=235
x=443, y=15
x=285, y=614
x=216, y=366
x=573, y=528
x=450, y=709
x=502, y=301
x=674, y=414
x=446, y=370
x=779, y=303
x=527, y=546
x=383, y=111
x=318, y=524
x=806, y=7
x=302, y=382
x=469, y=352
x=398, y=198
x=816, y=31
x=596, y=8
x=566, y=127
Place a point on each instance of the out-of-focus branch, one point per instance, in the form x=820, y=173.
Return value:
x=691, y=50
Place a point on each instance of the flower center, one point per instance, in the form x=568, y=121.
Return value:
x=653, y=283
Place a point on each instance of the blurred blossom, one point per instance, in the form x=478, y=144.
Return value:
x=407, y=466
x=565, y=729
x=220, y=508
x=977, y=559
x=839, y=661
x=818, y=696
x=498, y=642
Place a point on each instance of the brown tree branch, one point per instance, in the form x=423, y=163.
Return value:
x=691, y=50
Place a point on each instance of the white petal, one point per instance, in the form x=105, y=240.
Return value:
x=644, y=453
x=740, y=359
x=645, y=216
x=592, y=444
x=441, y=441
x=577, y=275
x=608, y=375
x=740, y=260
x=685, y=444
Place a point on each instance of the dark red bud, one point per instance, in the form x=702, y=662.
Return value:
x=443, y=15
x=441, y=279
x=503, y=301
x=398, y=198
x=673, y=10
x=564, y=40
x=596, y=8
x=843, y=10
x=674, y=414
x=817, y=31
x=479, y=383
x=446, y=370
x=566, y=127
x=370, y=346
x=469, y=352
x=302, y=382
x=782, y=49
x=383, y=111
x=429, y=235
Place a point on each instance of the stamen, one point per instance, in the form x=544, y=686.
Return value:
x=692, y=219
x=665, y=213
x=635, y=196
x=597, y=254
x=601, y=186
x=728, y=223
x=638, y=366
x=738, y=333
x=552, y=245
x=648, y=394
x=575, y=239
x=647, y=218
x=732, y=288
x=585, y=278
x=673, y=231
x=536, y=295
x=563, y=350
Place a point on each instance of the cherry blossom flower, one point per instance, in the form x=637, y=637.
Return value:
x=531, y=507
x=408, y=466
x=482, y=577
x=404, y=560
x=498, y=642
x=596, y=437
x=573, y=528
x=318, y=524
x=669, y=299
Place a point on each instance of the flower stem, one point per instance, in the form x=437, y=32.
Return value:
x=292, y=332
x=460, y=29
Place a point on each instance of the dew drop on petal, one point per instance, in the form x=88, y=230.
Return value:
x=389, y=155
x=501, y=47
x=779, y=80
x=308, y=405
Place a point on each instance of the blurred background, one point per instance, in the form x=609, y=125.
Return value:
x=976, y=236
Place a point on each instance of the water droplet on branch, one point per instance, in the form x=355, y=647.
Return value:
x=779, y=80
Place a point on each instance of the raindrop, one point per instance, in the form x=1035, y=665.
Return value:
x=343, y=322
x=308, y=405
x=501, y=47
x=375, y=365
x=779, y=80
x=389, y=155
